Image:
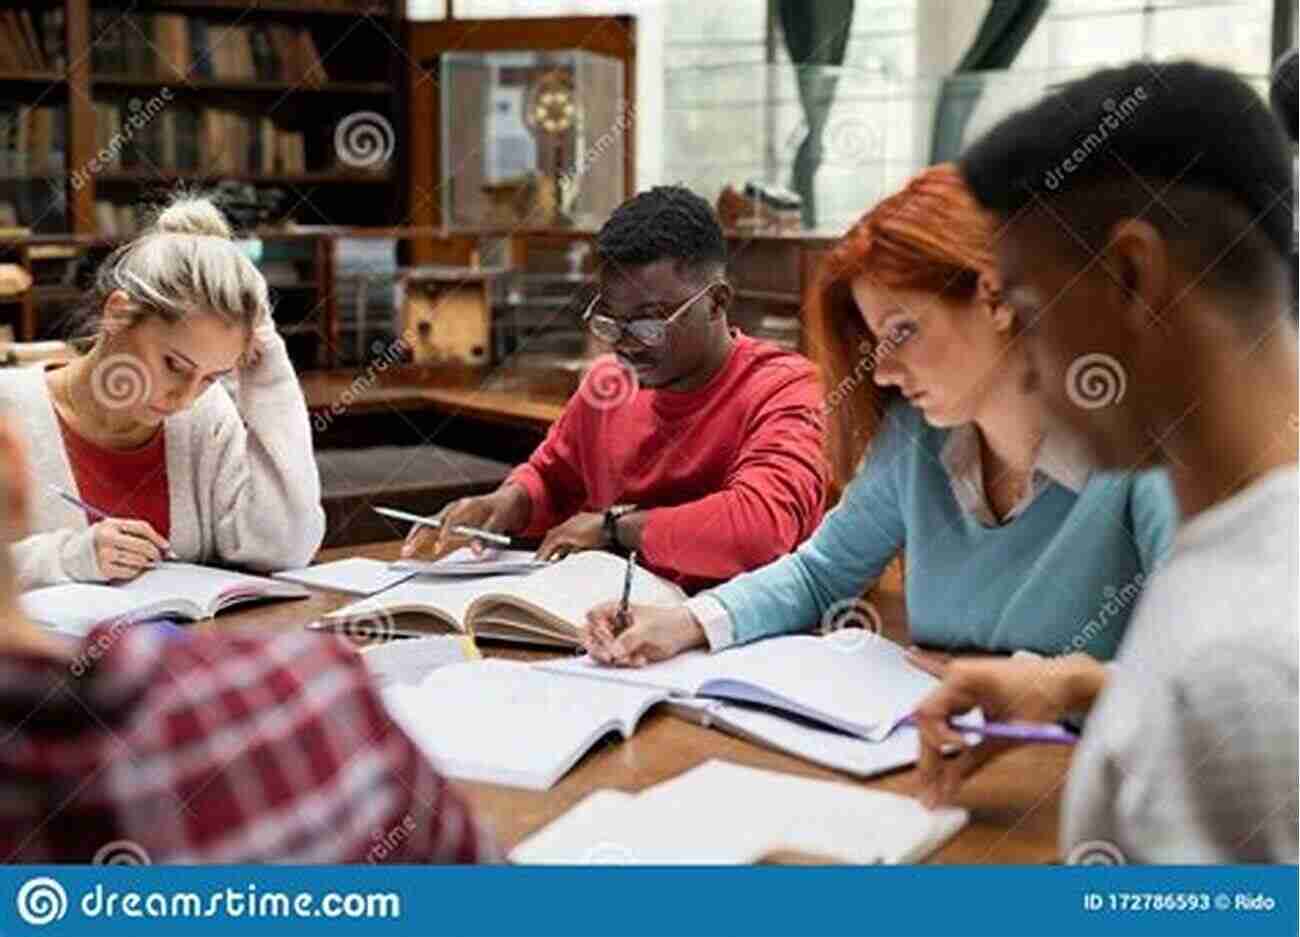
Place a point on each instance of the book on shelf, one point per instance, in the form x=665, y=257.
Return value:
x=32, y=139
x=32, y=43
x=175, y=46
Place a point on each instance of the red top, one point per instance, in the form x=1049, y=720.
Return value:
x=130, y=484
x=733, y=471
x=215, y=748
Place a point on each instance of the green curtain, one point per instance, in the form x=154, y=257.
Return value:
x=816, y=34
x=1003, y=32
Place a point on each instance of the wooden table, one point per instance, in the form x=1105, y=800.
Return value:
x=1014, y=802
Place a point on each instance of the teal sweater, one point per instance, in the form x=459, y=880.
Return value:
x=1062, y=576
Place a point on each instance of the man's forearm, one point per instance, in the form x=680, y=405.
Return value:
x=516, y=504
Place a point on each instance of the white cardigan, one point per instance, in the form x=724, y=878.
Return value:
x=242, y=478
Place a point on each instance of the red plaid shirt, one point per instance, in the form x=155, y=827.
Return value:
x=215, y=748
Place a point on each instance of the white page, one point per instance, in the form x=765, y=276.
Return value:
x=465, y=562
x=76, y=607
x=356, y=575
x=825, y=747
x=204, y=585
x=410, y=661
x=450, y=596
x=614, y=828
x=723, y=813
x=859, y=684
x=505, y=723
x=569, y=588
x=835, y=820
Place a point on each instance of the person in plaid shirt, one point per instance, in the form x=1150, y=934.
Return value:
x=136, y=746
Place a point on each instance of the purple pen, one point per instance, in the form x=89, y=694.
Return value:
x=1047, y=732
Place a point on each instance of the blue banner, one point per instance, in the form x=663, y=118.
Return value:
x=428, y=901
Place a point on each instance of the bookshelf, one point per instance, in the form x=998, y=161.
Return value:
x=136, y=97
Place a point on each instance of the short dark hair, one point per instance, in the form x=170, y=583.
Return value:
x=1189, y=148
x=668, y=222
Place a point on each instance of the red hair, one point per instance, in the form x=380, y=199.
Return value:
x=931, y=236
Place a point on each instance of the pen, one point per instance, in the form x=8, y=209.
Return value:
x=1048, y=732
x=94, y=512
x=500, y=540
x=624, y=617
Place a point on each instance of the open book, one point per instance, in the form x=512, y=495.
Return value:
x=724, y=813
x=173, y=590
x=547, y=607
x=850, y=681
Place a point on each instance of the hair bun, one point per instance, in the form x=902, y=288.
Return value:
x=192, y=216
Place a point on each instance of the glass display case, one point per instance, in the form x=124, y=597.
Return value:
x=532, y=138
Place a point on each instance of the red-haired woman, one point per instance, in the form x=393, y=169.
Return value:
x=1011, y=542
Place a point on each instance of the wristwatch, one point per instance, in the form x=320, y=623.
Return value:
x=610, y=523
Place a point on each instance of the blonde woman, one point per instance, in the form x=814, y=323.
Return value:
x=142, y=429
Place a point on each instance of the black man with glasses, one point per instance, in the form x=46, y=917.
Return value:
x=692, y=443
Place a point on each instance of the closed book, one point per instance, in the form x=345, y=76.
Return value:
x=10, y=57
x=99, y=36
x=166, y=122
x=264, y=61
x=267, y=135
x=33, y=41
x=139, y=57
x=171, y=36
x=187, y=139
x=200, y=50
x=54, y=39
x=41, y=140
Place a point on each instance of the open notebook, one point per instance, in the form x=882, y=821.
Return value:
x=723, y=813
x=506, y=723
x=531, y=723
x=173, y=590
x=855, y=683
x=546, y=607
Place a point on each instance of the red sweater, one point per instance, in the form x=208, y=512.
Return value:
x=732, y=473
x=129, y=484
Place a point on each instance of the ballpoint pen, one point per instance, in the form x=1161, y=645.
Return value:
x=624, y=617
x=94, y=512
x=475, y=533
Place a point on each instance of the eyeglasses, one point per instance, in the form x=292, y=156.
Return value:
x=646, y=330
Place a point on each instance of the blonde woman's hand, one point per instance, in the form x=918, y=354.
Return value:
x=126, y=548
x=263, y=337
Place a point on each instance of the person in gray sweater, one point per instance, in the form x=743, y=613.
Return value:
x=143, y=431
